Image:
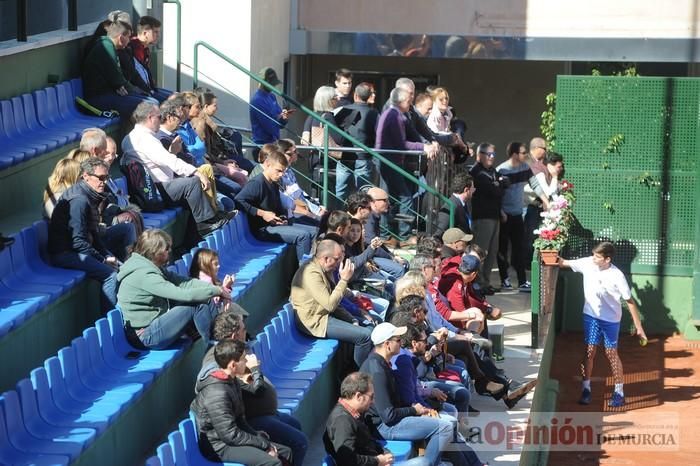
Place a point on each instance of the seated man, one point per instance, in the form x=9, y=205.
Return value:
x=104, y=83
x=316, y=300
x=456, y=273
x=260, y=200
x=74, y=238
x=259, y=395
x=224, y=432
x=348, y=437
x=135, y=58
x=454, y=242
x=158, y=305
x=394, y=421
x=176, y=179
x=385, y=260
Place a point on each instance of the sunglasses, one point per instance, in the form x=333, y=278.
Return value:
x=101, y=177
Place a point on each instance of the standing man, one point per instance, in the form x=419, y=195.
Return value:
x=74, y=239
x=486, y=210
x=603, y=287
x=364, y=130
x=343, y=87
x=266, y=115
x=512, y=228
x=462, y=191
x=391, y=134
x=316, y=299
x=535, y=206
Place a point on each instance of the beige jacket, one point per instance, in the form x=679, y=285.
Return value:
x=314, y=298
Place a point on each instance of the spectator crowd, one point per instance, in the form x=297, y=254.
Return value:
x=416, y=325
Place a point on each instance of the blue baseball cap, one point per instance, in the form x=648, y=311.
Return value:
x=469, y=264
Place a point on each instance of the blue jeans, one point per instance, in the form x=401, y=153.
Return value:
x=283, y=428
x=95, y=270
x=345, y=331
x=227, y=186
x=437, y=432
x=457, y=394
x=118, y=238
x=125, y=105
x=364, y=173
x=160, y=94
x=390, y=266
x=343, y=177
x=397, y=187
x=301, y=236
x=165, y=329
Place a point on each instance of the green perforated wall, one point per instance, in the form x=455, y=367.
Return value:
x=631, y=149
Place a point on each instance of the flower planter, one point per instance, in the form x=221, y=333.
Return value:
x=549, y=256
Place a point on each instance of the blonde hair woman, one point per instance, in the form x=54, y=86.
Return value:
x=65, y=174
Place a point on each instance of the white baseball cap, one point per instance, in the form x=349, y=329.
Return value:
x=384, y=331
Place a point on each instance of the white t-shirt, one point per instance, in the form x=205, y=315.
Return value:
x=602, y=289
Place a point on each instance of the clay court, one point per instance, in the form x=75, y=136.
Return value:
x=660, y=379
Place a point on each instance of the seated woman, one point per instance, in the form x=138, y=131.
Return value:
x=65, y=174
x=224, y=432
x=205, y=266
x=222, y=154
x=159, y=305
x=193, y=145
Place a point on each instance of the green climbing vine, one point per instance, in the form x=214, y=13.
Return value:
x=549, y=119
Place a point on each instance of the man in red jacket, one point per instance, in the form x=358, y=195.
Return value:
x=457, y=273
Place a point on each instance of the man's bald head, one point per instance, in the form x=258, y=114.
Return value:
x=538, y=148
x=380, y=200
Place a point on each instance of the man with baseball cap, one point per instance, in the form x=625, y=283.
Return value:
x=266, y=115
x=454, y=242
x=396, y=422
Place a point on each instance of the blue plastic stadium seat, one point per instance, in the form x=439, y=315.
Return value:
x=67, y=109
x=54, y=410
x=47, y=114
x=39, y=141
x=154, y=461
x=165, y=454
x=9, y=454
x=34, y=265
x=26, y=443
x=37, y=117
x=184, y=441
x=25, y=122
x=71, y=396
x=34, y=435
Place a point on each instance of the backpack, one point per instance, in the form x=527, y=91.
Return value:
x=142, y=188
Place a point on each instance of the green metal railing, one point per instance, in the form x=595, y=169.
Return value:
x=327, y=126
x=178, y=46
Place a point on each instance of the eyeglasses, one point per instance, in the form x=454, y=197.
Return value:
x=490, y=154
x=421, y=340
x=102, y=178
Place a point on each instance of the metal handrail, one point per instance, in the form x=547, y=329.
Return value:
x=326, y=126
x=178, y=47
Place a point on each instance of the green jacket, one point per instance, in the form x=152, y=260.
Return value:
x=146, y=291
x=101, y=71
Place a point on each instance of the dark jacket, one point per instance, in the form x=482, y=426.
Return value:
x=486, y=202
x=258, y=193
x=126, y=61
x=350, y=441
x=221, y=417
x=74, y=225
x=365, y=128
x=387, y=404
x=102, y=73
x=462, y=216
